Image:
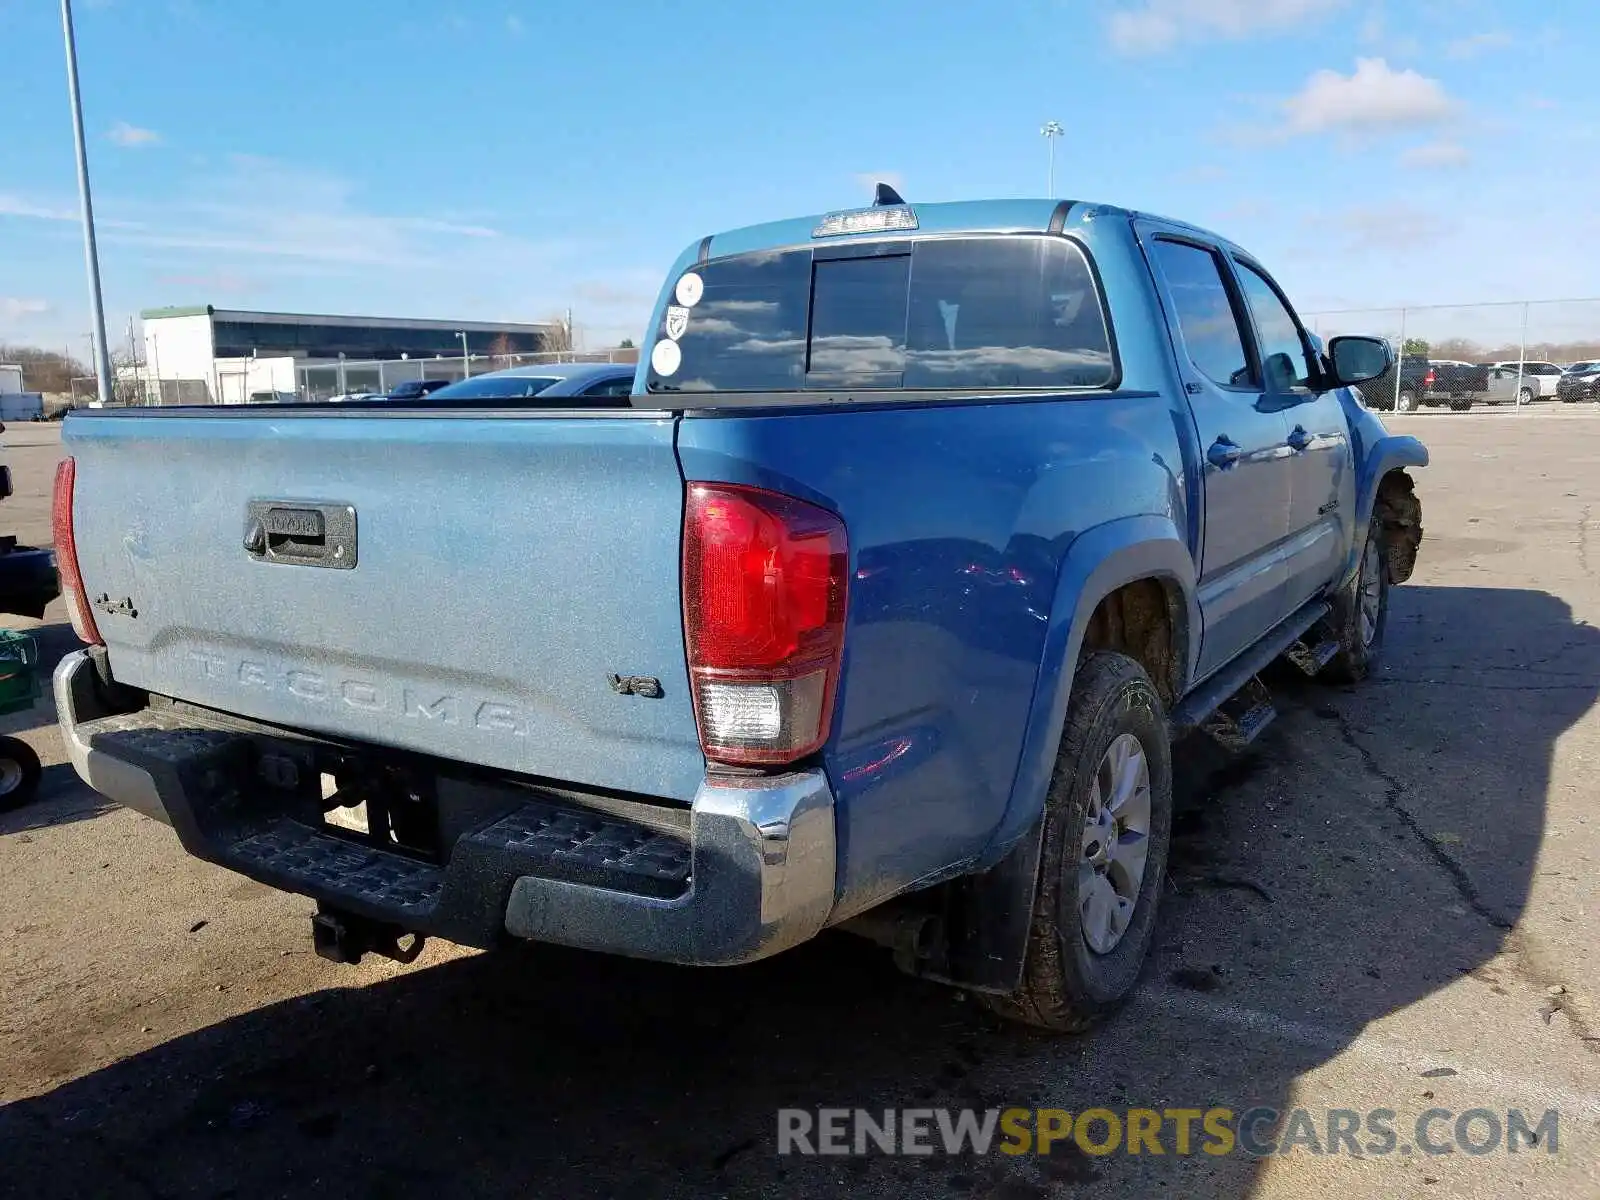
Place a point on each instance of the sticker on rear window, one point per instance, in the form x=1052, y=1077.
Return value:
x=666, y=357
x=690, y=288
x=677, y=321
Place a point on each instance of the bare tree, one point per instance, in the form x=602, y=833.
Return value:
x=501, y=352
x=44, y=370
x=557, y=335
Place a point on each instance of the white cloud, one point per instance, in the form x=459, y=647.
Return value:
x=266, y=208
x=15, y=308
x=1436, y=154
x=1372, y=97
x=1384, y=228
x=1162, y=24
x=12, y=205
x=1477, y=43
x=132, y=137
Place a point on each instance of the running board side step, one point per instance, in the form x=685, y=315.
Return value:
x=1192, y=712
x=1241, y=718
x=1311, y=656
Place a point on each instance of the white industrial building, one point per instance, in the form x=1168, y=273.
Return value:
x=207, y=355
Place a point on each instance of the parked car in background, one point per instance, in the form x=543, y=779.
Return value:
x=549, y=384
x=1580, y=381
x=353, y=397
x=878, y=606
x=274, y=397
x=1428, y=383
x=1534, y=381
x=415, y=389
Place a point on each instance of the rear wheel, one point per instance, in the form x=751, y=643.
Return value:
x=19, y=773
x=1407, y=401
x=1108, y=820
x=1460, y=404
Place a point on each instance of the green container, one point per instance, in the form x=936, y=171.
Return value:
x=19, y=671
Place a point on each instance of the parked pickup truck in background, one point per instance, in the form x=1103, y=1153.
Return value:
x=1425, y=383
x=927, y=529
x=1580, y=381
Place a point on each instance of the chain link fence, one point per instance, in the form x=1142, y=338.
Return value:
x=1515, y=354
x=327, y=380
x=1522, y=354
x=283, y=380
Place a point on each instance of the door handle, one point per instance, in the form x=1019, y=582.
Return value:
x=1223, y=453
x=1299, y=440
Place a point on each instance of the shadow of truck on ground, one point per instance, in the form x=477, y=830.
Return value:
x=1387, y=834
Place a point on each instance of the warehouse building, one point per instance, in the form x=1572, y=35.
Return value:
x=207, y=355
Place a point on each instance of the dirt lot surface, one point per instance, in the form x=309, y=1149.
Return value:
x=1391, y=903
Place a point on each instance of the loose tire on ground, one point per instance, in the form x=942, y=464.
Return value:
x=19, y=773
x=1066, y=985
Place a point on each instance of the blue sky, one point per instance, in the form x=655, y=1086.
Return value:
x=503, y=159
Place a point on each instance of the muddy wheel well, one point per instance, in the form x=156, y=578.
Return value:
x=1145, y=621
x=1399, y=513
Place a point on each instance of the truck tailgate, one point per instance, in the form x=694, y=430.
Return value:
x=506, y=566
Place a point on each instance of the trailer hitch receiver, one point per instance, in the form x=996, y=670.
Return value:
x=344, y=937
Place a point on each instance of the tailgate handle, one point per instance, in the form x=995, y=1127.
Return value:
x=299, y=533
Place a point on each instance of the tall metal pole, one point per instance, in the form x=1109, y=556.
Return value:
x=466, y=359
x=1051, y=131
x=1399, y=361
x=1522, y=351
x=91, y=256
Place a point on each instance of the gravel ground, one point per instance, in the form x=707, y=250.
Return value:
x=1390, y=903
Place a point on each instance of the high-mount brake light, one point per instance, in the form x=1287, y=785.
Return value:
x=866, y=220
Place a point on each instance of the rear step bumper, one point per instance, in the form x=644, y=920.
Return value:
x=754, y=875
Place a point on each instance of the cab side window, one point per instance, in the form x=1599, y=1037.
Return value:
x=1285, y=360
x=1204, y=313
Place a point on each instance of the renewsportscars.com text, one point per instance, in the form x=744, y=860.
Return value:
x=1258, y=1131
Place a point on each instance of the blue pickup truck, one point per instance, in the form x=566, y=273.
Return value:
x=925, y=532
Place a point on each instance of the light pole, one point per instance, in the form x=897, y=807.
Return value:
x=91, y=256
x=1051, y=131
x=466, y=359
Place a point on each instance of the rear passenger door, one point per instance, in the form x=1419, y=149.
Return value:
x=1322, y=483
x=1242, y=437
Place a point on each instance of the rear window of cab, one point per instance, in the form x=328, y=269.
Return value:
x=996, y=312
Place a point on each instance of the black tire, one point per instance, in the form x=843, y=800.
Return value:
x=1407, y=401
x=1460, y=404
x=19, y=773
x=1361, y=641
x=1066, y=986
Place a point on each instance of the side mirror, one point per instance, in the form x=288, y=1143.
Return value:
x=1358, y=359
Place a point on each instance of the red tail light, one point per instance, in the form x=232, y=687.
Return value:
x=67, y=555
x=1430, y=378
x=763, y=613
